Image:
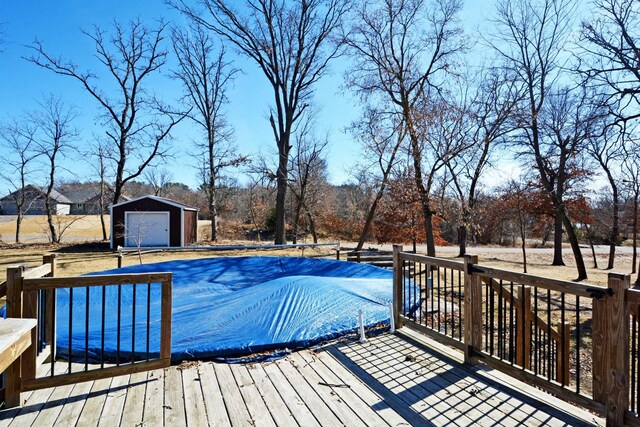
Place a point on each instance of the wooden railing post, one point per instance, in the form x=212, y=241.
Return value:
x=397, y=285
x=611, y=349
x=564, y=349
x=472, y=309
x=524, y=316
x=165, y=313
x=14, y=310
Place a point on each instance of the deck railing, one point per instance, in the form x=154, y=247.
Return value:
x=577, y=341
x=145, y=316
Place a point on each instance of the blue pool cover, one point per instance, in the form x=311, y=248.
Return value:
x=226, y=307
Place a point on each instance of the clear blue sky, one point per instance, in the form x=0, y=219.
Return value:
x=58, y=25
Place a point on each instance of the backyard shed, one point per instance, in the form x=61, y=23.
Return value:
x=152, y=221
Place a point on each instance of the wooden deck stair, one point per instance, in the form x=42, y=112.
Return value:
x=391, y=380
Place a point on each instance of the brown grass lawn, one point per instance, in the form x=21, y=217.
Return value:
x=76, y=258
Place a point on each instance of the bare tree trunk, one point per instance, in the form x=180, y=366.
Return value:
x=573, y=239
x=296, y=219
x=523, y=239
x=213, y=213
x=593, y=249
x=101, y=206
x=428, y=228
x=47, y=203
x=280, y=237
x=52, y=229
x=615, y=226
x=312, y=227
x=557, y=238
x=462, y=240
x=18, y=224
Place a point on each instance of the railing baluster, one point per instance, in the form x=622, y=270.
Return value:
x=438, y=273
x=133, y=324
x=578, y=323
x=444, y=296
x=148, y=316
x=460, y=299
x=511, y=325
x=102, y=331
x=118, y=325
x=86, y=330
x=52, y=294
x=70, y=324
x=487, y=290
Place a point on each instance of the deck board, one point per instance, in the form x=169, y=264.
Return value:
x=294, y=402
x=134, y=403
x=343, y=383
x=174, y=413
x=326, y=392
x=213, y=401
x=72, y=408
x=279, y=410
x=194, y=401
x=114, y=403
x=257, y=408
x=92, y=409
x=233, y=401
x=153, y=414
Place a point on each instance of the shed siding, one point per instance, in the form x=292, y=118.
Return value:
x=190, y=227
x=146, y=205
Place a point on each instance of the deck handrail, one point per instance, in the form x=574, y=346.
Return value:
x=527, y=317
x=31, y=293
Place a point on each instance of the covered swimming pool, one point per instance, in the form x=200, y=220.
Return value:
x=225, y=307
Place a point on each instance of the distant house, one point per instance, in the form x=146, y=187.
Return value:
x=73, y=199
x=85, y=198
x=34, y=203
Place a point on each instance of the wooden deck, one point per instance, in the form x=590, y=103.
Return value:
x=391, y=380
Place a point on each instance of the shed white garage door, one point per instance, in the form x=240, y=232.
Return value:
x=146, y=229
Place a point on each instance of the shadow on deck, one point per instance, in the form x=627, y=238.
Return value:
x=390, y=380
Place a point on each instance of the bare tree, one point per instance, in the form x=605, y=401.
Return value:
x=631, y=182
x=290, y=42
x=137, y=125
x=56, y=136
x=158, y=178
x=307, y=172
x=530, y=37
x=400, y=48
x=516, y=196
x=488, y=113
x=102, y=170
x=18, y=141
x=608, y=60
x=381, y=136
x=205, y=75
x=606, y=148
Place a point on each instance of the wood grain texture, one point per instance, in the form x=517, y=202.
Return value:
x=98, y=280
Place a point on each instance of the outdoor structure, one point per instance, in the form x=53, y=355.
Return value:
x=401, y=378
x=85, y=198
x=152, y=221
x=72, y=199
x=34, y=203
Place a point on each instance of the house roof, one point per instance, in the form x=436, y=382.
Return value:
x=55, y=194
x=159, y=199
x=87, y=193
